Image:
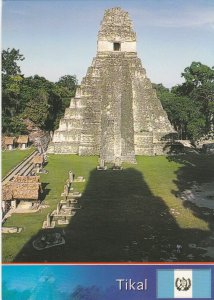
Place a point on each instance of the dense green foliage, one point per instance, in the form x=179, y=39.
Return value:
x=34, y=98
x=190, y=106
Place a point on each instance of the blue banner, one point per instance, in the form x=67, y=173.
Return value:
x=107, y=282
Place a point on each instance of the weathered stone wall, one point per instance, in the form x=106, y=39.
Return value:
x=116, y=26
x=106, y=46
x=117, y=131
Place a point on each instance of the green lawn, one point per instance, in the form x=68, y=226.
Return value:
x=12, y=158
x=130, y=215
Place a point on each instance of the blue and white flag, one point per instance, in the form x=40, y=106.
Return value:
x=182, y=283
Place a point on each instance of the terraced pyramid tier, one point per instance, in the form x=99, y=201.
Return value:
x=116, y=113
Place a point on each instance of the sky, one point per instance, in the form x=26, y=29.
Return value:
x=59, y=37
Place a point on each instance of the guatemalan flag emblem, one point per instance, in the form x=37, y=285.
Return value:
x=181, y=283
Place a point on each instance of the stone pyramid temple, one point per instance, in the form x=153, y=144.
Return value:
x=115, y=113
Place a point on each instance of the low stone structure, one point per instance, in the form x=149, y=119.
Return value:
x=7, y=197
x=11, y=229
x=79, y=179
x=71, y=176
x=48, y=240
x=63, y=210
x=38, y=162
x=75, y=195
x=9, y=142
x=101, y=166
x=22, y=141
x=21, y=188
x=49, y=222
x=117, y=165
x=71, y=200
x=115, y=112
x=65, y=192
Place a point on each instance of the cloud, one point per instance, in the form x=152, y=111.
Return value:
x=180, y=17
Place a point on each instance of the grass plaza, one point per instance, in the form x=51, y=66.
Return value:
x=135, y=214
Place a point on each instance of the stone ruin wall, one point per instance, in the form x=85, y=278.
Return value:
x=117, y=111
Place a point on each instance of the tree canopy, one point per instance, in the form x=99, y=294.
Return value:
x=9, y=62
x=190, y=106
x=34, y=97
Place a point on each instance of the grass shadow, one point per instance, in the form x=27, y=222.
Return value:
x=196, y=171
x=120, y=220
x=45, y=191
